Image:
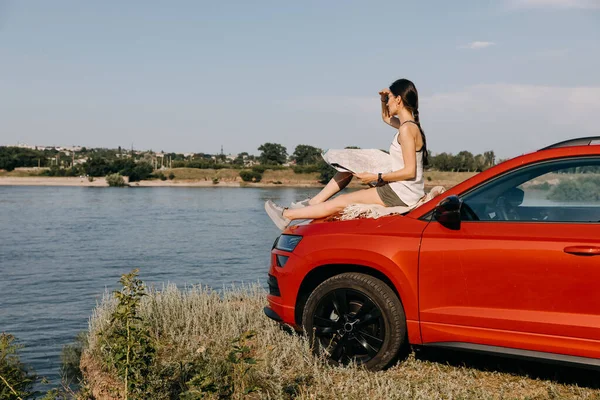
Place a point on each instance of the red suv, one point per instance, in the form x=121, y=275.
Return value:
x=507, y=262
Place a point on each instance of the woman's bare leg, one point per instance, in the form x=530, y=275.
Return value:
x=337, y=183
x=327, y=208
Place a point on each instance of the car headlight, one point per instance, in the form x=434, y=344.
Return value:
x=287, y=242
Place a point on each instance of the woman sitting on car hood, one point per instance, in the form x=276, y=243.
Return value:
x=403, y=186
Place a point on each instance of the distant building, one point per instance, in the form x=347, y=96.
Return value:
x=64, y=149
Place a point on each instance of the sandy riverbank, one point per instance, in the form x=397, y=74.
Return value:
x=50, y=181
x=447, y=181
x=101, y=182
x=187, y=177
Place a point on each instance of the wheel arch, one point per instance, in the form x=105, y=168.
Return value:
x=319, y=274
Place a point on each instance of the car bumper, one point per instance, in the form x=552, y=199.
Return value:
x=284, y=283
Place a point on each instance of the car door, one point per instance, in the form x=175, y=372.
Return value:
x=526, y=273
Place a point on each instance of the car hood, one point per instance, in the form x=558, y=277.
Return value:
x=361, y=225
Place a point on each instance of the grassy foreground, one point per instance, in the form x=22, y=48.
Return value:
x=202, y=344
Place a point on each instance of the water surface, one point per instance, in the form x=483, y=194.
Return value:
x=62, y=247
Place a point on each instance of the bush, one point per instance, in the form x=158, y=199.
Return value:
x=70, y=358
x=53, y=171
x=97, y=166
x=128, y=348
x=200, y=164
x=17, y=381
x=541, y=186
x=258, y=168
x=160, y=176
x=305, y=169
x=115, y=180
x=326, y=172
x=140, y=172
x=171, y=176
x=215, y=181
x=250, y=176
x=582, y=189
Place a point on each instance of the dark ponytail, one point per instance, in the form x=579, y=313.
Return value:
x=407, y=91
x=425, y=154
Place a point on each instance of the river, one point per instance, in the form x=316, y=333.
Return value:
x=61, y=248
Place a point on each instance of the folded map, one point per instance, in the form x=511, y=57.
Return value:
x=359, y=160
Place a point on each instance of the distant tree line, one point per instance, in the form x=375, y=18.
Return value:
x=582, y=189
x=464, y=161
x=304, y=159
x=16, y=157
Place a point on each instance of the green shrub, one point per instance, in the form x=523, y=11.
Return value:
x=582, y=189
x=239, y=361
x=160, y=176
x=215, y=181
x=305, y=169
x=127, y=346
x=115, y=180
x=70, y=358
x=541, y=186
x=171, y=176
x=141, y=171
x=200, y=164
x=261, y=168
x=16, y=381
x=58, y=171
x=250, y=176
x=326, y=172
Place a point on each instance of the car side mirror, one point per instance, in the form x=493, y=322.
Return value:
x=447, y=212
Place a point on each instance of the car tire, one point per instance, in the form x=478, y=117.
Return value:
x=355, y=317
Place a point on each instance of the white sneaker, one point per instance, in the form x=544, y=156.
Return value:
x=299, y=204
x=275, y=212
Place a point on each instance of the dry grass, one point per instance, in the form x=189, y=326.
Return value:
x=204, y=174
x=22, y=172
x=286, y=177
x=289, y=177
x=200, y=322
x=446, y=178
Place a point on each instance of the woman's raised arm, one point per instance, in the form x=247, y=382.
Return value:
x=385, y=111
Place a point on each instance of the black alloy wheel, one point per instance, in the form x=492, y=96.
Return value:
x=357, y=318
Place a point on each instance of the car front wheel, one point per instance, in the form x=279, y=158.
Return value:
x=355, y=317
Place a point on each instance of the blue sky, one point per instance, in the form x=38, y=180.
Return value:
x=506, y=75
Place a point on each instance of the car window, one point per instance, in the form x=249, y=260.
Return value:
x=565, y=190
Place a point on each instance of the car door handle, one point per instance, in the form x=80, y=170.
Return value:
x=583, y=250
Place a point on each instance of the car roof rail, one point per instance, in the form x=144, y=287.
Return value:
x=584, y=141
